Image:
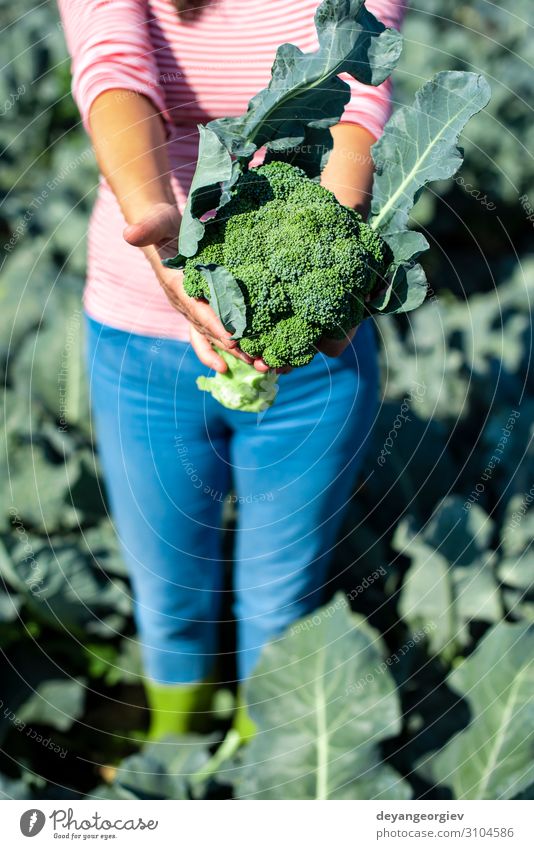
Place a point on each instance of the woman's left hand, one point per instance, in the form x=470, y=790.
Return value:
x=335, y=347
x=207, y=355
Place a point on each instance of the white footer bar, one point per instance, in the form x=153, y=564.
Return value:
x=274, y=825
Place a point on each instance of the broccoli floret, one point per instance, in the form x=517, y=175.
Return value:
x=332, y=314
x=291, y=340
x=304, y=262
x=271, y=304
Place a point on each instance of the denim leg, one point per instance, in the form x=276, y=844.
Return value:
x=294, y=470
x=164, y=452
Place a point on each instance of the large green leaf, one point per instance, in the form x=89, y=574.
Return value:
x=36, y=490
x=492, y=757
x=214, y=167
x=419, y=144
x=51, y=362
x=451, y=580
x=319, y=718
x=61, y=586
x=305, y=88
x=305, y=93
x=36, y=691
x=56, y=702
x=162, y=770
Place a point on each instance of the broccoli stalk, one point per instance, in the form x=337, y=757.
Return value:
x=241, y=387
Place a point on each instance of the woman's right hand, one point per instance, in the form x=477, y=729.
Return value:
x=130, y=141
x=156, y=233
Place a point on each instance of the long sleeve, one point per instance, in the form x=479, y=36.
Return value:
x=110, y=48
x=370, y=106
x=207, y=69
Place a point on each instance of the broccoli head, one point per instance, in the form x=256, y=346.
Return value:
x=304, y=262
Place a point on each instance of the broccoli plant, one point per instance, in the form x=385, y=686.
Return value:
x=282, y=262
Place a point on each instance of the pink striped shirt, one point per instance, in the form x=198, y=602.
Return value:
x=193, y=72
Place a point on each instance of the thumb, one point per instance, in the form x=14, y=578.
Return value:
x=159, y=226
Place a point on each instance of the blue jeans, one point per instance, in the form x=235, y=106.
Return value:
x=170, y=454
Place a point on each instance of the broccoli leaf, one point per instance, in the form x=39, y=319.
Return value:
x=304, y=92
x=406, y=246
x=407, y=286
x=419, y=144
x=62, y=587
x=492, y=757
x=214, y=166
x=40, y=692
x=311, y=154
x=226, y=298
x=451, y=580
x=159, y=771
x=304, y=88
x=406, y=291
x=55, y=702
x=321, y=712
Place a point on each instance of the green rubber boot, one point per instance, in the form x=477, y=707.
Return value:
x=243, y=724
x=178, y=708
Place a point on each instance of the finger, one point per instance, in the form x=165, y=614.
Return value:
x=205, y=352
x=240, y=355
x=204, y=317
x=148, y=232
x=230, y=347
x=335, y=347
x=332, y=347
x=201, y=314
x=261, y=365
x=160, y=227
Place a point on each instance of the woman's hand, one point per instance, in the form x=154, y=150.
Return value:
x=335, y=347
x=156, y=232
x=130, y=142
x=202, y=347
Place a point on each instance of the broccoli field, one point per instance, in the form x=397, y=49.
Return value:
x=426, y=637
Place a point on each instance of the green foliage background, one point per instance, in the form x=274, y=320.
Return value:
x=426, y=681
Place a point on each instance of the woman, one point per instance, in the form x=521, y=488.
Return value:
x=144, y=75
